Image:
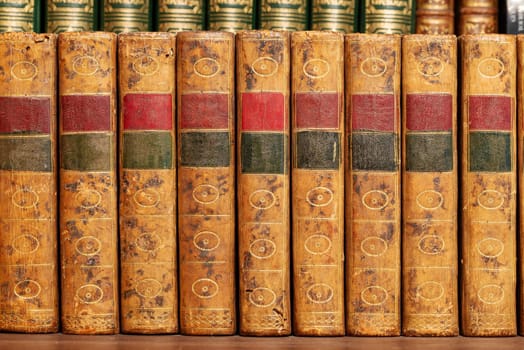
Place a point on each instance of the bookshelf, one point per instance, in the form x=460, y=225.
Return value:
x=132, y=342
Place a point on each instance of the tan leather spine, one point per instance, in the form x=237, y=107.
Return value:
x=429, y=187
x=147, y=204
x=317, y=175
x=373, y=184
x=488, y=185
x=206, y=182
x=28, y=234
x=263, y=182
x=88, y=191
x=435, y=17
x=478, y=17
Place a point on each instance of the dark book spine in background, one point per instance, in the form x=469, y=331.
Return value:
x=387, y=16
x=28, y=175
x=71, y=16
x=126, y=16
x=511, y=17
x=20, y=16
x=88, y=182
x=232, y=16
x=148, y=269
x=340, y=16
x=290, y=15
x=206, y=182
x=180, y=15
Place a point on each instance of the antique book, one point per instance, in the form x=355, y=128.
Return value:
x=520, y=178
x=339, y=15
x=317, y=200
x=20, y=16
x=88, y=183
x=373, y=184
x=180, y=15
x=429, y=186
x=387, y=16
x=127, y=16
x=263, y=76
x=71, y=16
x=478, y=16
x=435, y=17
x=147, y=202
x=206, y=182
x=289, y=15
x=488, y=185
x=28, y=208
x=232, y=15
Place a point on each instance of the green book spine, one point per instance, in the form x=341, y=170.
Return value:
x=127, y=16
x=387, y=16
x=20, y=16
x=231, y=15
x=180, y=15
x=340, y=16
x=71, y=15
x=289, y=15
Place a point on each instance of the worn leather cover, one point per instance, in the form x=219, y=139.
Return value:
x=206, y=182
x=489, y=185
x=28, y=213
x=429, y=187
x=373, y=202
x=147, y=202
x=88, y=182
x=263, y=78
x=317, y=198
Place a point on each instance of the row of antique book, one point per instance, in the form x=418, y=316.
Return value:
x=367, y=16
x=244, y=168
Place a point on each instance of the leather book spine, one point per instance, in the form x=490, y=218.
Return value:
x=206, y=182
x=28, y=184
x=263, y=77
x=373, y=194
x=88, y=221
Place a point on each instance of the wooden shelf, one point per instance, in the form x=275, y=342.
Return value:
x=178, y=342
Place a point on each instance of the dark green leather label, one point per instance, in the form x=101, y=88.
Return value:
x=148, y=150
x=429, y=152
x=205, y=149
x=26, y=154
x=489, y=151
x=264, y=153
x=86, y=152
x=318, y=150
x=374, y=151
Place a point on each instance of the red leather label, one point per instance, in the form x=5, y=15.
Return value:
x=316, y=110
x=148, y=112
x=85, y=113
x=489, y=113
x=429, y=112
x=263, y=111
x=204, y=111
x=25, y=115
x=374, y=112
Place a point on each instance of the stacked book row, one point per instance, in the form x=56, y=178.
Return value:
x=56, y=16
x=265, y=183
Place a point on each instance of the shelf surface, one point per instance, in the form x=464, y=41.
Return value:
x=178, y=342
